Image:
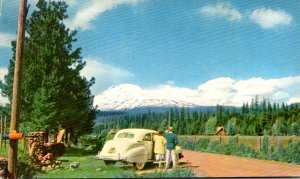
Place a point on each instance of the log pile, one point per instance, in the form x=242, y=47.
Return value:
x=44, y=154
x=3, y=167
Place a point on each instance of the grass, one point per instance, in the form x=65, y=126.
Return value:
x=89, y=167
x=3, y=152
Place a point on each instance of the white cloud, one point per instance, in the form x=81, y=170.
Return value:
x=268, y=18
x=72, y=2
x=3, y=71
x=223, y=90
x=171, y=82
x=222, y=10
x=235, y=92
x=92, y=9
x=104, y=74
x=5, y=39
x=294, y=100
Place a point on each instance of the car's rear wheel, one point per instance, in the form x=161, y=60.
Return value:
x=140, y=165
x=109, y=162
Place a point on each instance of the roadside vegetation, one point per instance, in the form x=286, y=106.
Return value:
x=290, y=154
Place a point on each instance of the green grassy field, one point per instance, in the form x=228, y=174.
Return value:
x=89, y=167
x=92, y=168
x=3, y=152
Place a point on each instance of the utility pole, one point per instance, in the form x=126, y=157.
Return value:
x=15, y=111
x=169, y=115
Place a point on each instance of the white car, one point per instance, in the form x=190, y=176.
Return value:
x=133, y=146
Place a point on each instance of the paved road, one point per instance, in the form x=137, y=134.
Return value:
x=216, y=165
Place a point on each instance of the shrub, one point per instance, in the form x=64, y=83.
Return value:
x=213, y=146
x=245, y=151
x=26, y=166
x=201, y=144
x=264, y=151
x=292, y=153
x=187, y=145
x=278, y=154
x=93, y=142
x=180, y=172
x=231, y=147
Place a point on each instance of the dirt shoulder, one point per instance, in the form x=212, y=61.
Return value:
x=217, y=165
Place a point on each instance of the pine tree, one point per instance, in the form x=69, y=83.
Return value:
x=54, y=94
x=210, y=126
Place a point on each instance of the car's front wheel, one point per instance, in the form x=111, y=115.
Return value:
x=140, y=165
x=109, y=162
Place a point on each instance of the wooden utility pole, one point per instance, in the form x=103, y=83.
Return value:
x=5, y=122
x=169, y=121
x=15, y=109
x=1, y=121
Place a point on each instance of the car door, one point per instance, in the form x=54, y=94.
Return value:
x=148, y=142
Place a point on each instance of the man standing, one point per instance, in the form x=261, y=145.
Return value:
x=170, y=147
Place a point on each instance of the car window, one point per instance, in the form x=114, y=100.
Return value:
x=147, y=137
x=125, y=135
x=130, y=135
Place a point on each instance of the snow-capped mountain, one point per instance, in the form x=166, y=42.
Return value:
x=128, y=96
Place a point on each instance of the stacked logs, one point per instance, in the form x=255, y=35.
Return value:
x=3, y=167
x=43, y=154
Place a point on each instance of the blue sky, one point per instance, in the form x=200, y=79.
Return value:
x=184, y=44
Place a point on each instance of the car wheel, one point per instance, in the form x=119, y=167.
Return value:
x=109, y=162
x=140, y=165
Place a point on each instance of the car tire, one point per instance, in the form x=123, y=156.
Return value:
x=140, y=165
x=109, y=162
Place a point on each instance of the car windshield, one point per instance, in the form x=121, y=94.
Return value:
x=125, y=135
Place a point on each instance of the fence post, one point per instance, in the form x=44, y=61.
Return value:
x=260, y=142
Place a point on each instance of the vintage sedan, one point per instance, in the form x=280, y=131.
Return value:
x=133, y=146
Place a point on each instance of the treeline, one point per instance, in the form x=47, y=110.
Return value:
x=256, y=118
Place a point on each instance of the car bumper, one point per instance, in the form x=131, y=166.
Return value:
x=112, y=158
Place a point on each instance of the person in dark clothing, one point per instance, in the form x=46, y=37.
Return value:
x=172, y=140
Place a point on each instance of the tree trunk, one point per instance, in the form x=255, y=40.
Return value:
x=66, y=137
x=76, y=138
x=72, y=136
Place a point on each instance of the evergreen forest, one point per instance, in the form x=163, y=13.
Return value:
x=257, y=118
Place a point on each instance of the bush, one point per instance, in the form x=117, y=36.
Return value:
x=180, y=172
x=264, y=152
x=187, y=145
x=201, y=144
x=245, y=151
x=26, y=166
x=277, y=154
x=291, y=154
x=93, y=142
x=213, y=146
x=231, y=147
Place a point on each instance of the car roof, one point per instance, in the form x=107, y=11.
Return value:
x=137, y=131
